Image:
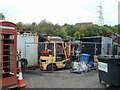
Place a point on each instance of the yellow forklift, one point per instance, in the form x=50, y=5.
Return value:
x=54, y=56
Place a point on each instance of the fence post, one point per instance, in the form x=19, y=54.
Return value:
x=95, y=48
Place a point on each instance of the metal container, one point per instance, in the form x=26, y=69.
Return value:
x=97, y=45
x=27, y=47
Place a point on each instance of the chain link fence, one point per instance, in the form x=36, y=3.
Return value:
x=52, y=56
x=91, y=48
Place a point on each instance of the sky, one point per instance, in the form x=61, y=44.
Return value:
x=59, y=11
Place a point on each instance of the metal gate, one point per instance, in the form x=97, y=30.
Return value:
x=91, y=48
x=94, y=48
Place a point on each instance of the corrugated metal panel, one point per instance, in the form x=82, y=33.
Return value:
x=107, y=46
x=28, y=49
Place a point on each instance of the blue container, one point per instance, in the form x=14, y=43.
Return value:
x=85, y=57
x=90, y=63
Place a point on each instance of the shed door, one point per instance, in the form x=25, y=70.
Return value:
x=32, y=54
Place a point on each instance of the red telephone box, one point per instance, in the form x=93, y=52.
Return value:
x=8, y=41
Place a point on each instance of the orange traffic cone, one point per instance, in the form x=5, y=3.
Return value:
x=20, y=79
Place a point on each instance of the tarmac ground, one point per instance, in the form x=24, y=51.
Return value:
x=62, y=79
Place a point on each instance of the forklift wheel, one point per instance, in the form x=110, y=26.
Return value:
x=51, y=67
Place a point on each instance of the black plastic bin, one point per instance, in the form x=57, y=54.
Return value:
x=109, y=69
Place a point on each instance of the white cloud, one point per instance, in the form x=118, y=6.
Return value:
x=57, y=11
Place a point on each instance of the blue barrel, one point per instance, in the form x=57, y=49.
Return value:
x=85, y=57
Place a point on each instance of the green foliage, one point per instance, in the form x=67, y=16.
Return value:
x=20, y=26
x=118, y=28
x=45, y=27
x=2, y=17
x=59, y=31
x=67, y=30
x=71, y=29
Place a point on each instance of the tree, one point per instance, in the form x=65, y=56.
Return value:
x=71, y=29
x=45, y=27
x=67, y=30
x=115, y=29
x=20, y=25
x=34, y=23
x=119, y=28
x=83, y=31
x=77, y=34
x=32, y=27
x=2, y=17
